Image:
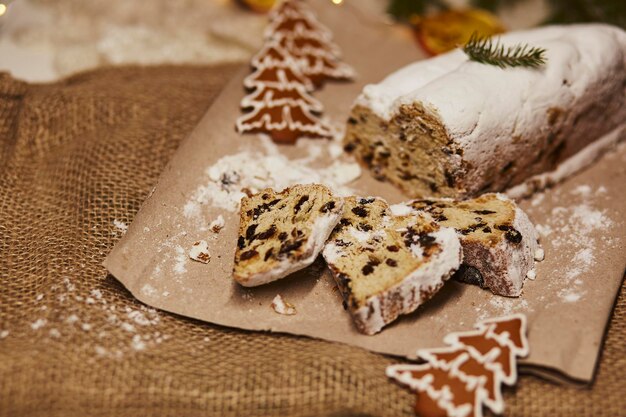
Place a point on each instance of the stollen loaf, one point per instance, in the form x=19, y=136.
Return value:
x=452, y=127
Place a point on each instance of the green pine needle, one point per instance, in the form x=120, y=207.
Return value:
x=485, y=51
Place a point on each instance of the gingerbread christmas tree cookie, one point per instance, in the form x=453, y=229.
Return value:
x=458, y=380
x=297, y=57
x=279, y=103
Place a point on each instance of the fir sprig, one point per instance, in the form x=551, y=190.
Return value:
x=485, y=51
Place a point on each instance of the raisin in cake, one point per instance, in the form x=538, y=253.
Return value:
x=499, y=241
x=451, y=127
x=387, y=265
x=281, y=233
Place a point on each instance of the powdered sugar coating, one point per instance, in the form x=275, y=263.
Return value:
x=492, y=114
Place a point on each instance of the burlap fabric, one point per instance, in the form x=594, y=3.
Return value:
x=77, y=158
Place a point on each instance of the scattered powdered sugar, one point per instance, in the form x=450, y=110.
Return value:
x=38, y=324
x=537, y=199
x=140, y=317
x=360, y=235
x=137, y=343
x=181, y=260
x=232, y=176
x=401, y=210
x=576, y=227
x=506, y=306
x=582, y=190
x=149, y=290
x=128, y=327
x=71, y=319
x=120, y=226
x=283, y=307
x=100, y=351
x=98, y=317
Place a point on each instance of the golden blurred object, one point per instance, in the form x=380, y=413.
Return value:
x=447, y=30
x=3, y=9
x=261, y=6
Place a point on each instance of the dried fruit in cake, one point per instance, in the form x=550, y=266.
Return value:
x=499, y=241
x=387, y=265
x=280, y=233
x=452, y=127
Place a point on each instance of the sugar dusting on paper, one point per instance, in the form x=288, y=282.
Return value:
x=576, y=227
x=574, y=235
x=231, y=176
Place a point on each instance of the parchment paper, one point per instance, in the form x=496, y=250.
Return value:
x=568, y=305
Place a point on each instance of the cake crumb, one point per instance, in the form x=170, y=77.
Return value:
x=531, y=275
x=4, y=334
x=539, y=255
x=200, y=252
x=128, y=327
x=283, y=307
x=218, y=224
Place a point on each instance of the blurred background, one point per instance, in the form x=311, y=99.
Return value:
x=43, y=40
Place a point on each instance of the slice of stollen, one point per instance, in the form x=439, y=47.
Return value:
x=499, y=241
x=387, y=265
x=281, y=233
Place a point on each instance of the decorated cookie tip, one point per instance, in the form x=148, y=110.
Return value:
x=458, y=380
x=296, y=19
x=299, y=32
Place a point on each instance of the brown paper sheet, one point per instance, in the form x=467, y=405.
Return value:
x=568, y=305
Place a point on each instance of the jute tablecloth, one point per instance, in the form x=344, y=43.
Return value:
x=77, y=158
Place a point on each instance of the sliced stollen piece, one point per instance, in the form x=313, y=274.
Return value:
x=451, y=127
x=280, y=233
x=499, y=241
x=387, y=265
